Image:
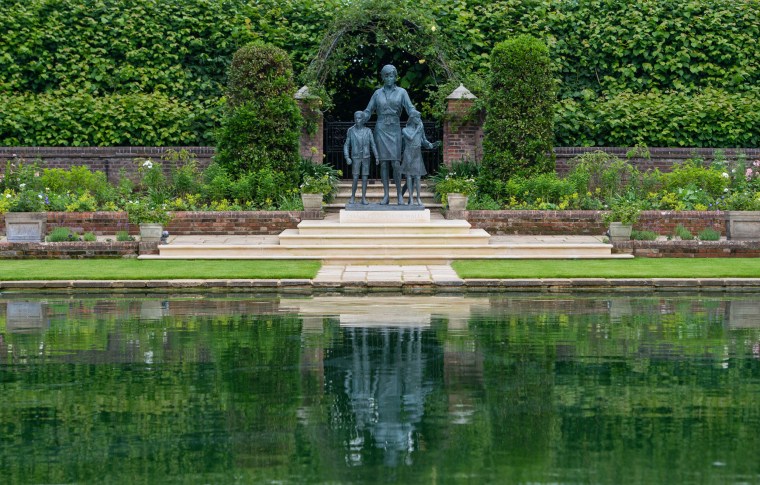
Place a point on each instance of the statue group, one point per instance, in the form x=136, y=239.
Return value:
x=392, y=147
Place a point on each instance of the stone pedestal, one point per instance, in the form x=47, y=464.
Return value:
x=311, y=145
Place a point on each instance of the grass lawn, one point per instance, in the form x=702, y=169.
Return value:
x=610, y=268
x=133, y=269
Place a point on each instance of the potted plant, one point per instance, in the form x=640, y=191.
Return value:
x=621, y=217
x=151, y=218
x=315, y=189
x=25, y=216
x=454, y=191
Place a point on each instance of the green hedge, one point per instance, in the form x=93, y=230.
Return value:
x=115, y=120
x=518, y=126
x=710, y=118
x=261, y=126
x=181, y=49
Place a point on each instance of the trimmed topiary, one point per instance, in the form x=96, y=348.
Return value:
x=261, y=127
x=520, y=103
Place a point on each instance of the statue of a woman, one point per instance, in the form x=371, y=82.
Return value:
x=389, y=102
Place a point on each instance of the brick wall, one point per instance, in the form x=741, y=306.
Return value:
x=110, y=160
x=461, y=140
x=690, y=249
x=183, y=223
x=462, y=137
x=537, y=222
x=69, y=250
x=659, y=158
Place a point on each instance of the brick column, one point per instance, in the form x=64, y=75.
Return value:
x=311, y=145
x=462, y=133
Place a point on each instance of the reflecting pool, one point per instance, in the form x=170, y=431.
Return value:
x=505, y=388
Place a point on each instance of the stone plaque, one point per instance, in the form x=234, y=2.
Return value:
x=25, y=226
x=412, y=216
x=23, y=232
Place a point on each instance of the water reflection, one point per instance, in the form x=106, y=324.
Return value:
x=487, y=388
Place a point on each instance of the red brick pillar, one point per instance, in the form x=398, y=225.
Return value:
x=462, y=130
x=311, y=143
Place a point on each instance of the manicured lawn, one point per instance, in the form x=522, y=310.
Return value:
x=133, y=269
x=611, y=268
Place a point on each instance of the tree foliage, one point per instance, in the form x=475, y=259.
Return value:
x=518, y=127
x=261, y=126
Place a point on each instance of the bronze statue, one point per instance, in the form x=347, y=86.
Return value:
x=359, y=144
x=413, y=166
x=389, y=102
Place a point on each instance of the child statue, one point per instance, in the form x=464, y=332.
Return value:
x=359, y=144
x=413, y=166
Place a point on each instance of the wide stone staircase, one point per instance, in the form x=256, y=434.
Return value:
x=386, y=236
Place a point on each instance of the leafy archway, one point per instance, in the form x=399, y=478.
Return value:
x=370, y=34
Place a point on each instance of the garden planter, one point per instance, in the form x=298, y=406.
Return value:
x=620, y=231
x=456, y=202
x=25, y=226
x=743, y=225
x=151, y=232
x=311, y=201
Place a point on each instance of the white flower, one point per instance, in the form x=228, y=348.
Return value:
x=39, y=196
x=22, y=185
x=148, y=164
x=433, y=28
x=725, y=190
x=725, y=175
x=7, y=196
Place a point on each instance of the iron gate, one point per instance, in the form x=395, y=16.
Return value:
x=335, y=137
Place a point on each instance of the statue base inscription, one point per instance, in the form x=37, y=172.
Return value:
x=416, y=216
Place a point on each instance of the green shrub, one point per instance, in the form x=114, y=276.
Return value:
x=602, y=174
x=261, y=125
x=518, y=126
x=644, y=235
x=62, y=234
x=123, y=236
x=683, y=233
x=709, y=234
x=89, y=237
x=690, y=175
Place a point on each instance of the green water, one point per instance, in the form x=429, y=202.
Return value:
x=382, y=389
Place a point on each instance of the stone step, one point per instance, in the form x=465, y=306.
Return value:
x=292, y=238
x=441, y=227
x=374, y=253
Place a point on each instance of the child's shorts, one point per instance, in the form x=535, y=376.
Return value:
x=360, y=167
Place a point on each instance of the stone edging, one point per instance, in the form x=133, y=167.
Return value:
x=466, y=285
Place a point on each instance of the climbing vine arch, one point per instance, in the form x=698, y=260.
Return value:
x=369, y=34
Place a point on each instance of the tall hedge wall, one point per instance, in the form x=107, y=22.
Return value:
x=518, y=127
x=172, y=56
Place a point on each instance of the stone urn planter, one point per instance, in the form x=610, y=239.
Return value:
x=620, y=231
x=311, y=201
x=456, y=202
x=151, y=232
x=743, y=225
x=25, y=226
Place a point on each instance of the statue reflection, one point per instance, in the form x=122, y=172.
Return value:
x=382, y=363
x=385, y=379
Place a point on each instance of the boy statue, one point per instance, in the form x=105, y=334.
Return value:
x=359, y=145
